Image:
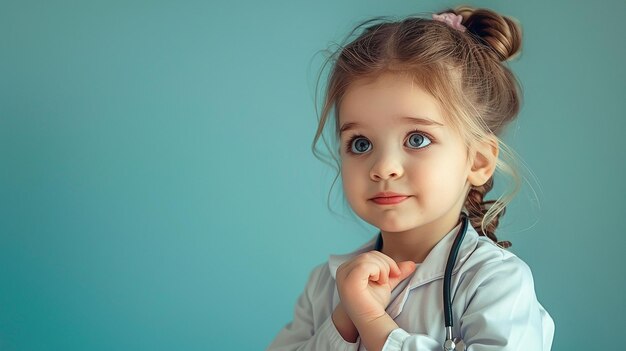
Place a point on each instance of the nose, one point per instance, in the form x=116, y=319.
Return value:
x=388, y=165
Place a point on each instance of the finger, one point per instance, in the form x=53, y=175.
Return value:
x=407, y=268
x=377, y=276
x=381, y=267
x=386, y=268
x=363, y=269
x=394, y=270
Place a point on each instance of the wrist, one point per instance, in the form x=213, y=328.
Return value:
x=344, y=324
x=374, y=332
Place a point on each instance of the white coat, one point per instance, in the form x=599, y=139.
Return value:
x=493, y=302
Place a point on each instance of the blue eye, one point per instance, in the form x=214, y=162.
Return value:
x=417, y=139
x=358, y=145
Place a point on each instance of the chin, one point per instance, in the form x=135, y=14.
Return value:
x=393, y=226
x=394, y=229
x=393, y=221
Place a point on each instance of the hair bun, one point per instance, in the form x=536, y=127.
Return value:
x=501, y=33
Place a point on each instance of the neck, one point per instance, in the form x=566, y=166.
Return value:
x=415, y=244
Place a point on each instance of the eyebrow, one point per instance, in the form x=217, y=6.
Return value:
x=413, y=120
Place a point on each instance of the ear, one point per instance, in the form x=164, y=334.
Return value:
x=483, y=157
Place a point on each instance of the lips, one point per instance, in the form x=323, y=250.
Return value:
x=387, y=194
x=389, y=198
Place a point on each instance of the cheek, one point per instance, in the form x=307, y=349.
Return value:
x=433, y=178
x=350, y=168
x=352, y=179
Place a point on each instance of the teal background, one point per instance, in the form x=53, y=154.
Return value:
x=158, y=191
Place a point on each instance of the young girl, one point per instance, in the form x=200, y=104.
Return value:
x=419, y=105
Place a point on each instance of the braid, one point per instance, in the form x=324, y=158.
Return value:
x=477, y=209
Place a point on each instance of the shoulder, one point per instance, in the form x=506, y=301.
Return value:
x=319, y=274
x=488, y=253
x=498, y=302
x=490, y=263
x=497, y=283
x=319, y=280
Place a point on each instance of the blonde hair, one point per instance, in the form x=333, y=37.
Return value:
x=464, y=71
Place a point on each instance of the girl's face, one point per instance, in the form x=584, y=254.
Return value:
x=385, y=148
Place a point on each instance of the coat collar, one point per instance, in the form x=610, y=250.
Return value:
x=434, y=265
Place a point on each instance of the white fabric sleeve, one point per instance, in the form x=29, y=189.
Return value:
x=399, y=339
x=502, y=313
x=299, y=334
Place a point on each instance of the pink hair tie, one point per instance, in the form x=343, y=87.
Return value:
x=450, y=19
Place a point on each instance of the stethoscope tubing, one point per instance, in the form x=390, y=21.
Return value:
x=447, y=277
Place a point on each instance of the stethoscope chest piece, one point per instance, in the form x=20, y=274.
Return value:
x=454, y=345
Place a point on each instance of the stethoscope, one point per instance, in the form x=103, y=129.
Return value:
x=451, y=343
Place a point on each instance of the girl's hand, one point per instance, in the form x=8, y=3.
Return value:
x=364, y=284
